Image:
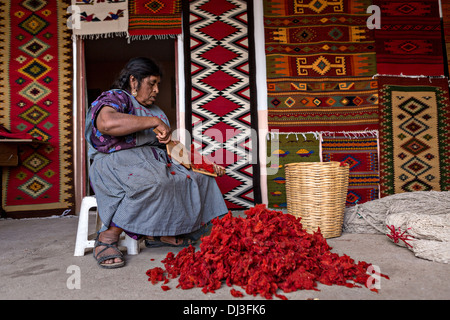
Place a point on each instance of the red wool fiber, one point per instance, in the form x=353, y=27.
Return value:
x=265, y=252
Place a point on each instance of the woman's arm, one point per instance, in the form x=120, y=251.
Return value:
x=111, y=122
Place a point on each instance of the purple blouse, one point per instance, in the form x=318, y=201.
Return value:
x=122, y=102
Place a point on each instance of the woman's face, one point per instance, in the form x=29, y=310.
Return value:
x=149, y=89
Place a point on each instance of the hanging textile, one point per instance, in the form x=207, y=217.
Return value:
x=220, y=92
x=360, y=151
x=410, y=40
x=154, y=18
x=36, y=91
x=446, y=20
x=320, y=60
x=414, y=139
x=287, y=148
x=94, y=19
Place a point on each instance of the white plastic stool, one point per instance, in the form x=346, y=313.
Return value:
x=83, y=241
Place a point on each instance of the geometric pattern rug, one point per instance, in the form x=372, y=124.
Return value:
x=360, y=152
x=320, y=59
x=287, y=148
x=219, y=92
x=102, y=19
x=409, y=40
x=414, y=135
x=159, y=18
x=36, y=92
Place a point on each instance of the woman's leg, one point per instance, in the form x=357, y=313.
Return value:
x=172, y=240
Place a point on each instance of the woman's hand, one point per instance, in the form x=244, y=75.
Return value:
x=163, y=133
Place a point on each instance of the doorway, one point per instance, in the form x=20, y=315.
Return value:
x=105, y=58
x=99, y=63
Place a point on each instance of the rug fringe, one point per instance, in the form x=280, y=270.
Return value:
x=401, y=75
x=319, y=134
x=148, y=37
x=100, y=35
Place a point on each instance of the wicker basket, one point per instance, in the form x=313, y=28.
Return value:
x=316, y=192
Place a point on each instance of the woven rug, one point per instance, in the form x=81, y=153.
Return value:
x=360, y=151
x=219, y=95
x=99, y=18
x=446, y=22
x=154, y=18
x=409, y=41
x=320, y=61
x=36, y=68
x=414, y=139
x=287, y=148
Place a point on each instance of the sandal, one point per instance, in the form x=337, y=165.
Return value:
x=108, y=257
x=156, y=242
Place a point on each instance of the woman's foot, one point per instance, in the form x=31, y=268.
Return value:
x=106, y=250
x=177, y=241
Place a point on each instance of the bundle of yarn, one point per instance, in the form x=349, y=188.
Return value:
x=419, y=221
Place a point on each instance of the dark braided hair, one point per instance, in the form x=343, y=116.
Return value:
x=140, y=68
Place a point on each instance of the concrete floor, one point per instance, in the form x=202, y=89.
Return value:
x=37, y=262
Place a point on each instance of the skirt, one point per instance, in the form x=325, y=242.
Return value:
x=144, y=192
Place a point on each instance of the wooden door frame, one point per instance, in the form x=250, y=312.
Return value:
x=79, y=94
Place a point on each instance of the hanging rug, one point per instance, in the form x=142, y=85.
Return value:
x=36, y=68
x=95, y=19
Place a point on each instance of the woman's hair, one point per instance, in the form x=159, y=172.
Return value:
x=140, y=68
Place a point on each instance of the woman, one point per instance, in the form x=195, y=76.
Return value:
x=138, y=188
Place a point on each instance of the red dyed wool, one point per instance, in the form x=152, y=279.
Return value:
x=236, y=293
x=199, y=162
x=155, y=275
x=266, y=251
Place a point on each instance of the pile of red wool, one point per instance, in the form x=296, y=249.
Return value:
x=266, y=251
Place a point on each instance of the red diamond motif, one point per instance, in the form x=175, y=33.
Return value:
x=220, y=80
x=220, y=106
x=218, y=30
x=358, y=101
x=406, y=9
x=217, y=7
x=415, y=167
x=415, y=146
x=219, y=55
x=408, y=46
